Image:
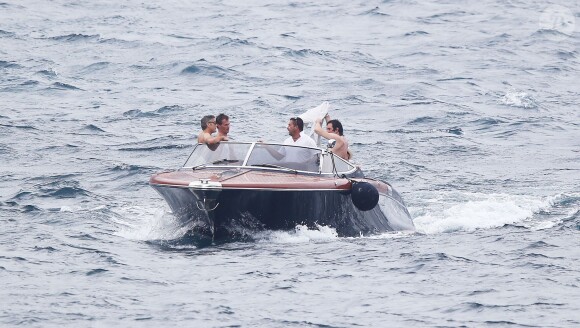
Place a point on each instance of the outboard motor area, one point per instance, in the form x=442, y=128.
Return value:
x=364, y=195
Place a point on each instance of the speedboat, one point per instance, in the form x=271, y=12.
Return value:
x=233, y=189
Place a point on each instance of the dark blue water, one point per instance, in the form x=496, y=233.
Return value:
x=470, y=109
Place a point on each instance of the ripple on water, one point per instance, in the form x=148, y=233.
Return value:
x=74, y=37
x=165, y=110
x=203, y=69
x=92, y=128
x=63, y=86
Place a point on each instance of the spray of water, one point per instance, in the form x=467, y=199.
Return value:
x=472, y=211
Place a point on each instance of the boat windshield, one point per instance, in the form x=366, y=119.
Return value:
x=257, y=154
x=290, y=157
x=222, y=154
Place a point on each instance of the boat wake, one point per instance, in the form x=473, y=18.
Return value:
x=148, y=223
x=473, y=211
x=158, y=223
x=452, y=212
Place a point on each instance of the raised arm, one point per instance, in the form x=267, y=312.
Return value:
x=323, y=133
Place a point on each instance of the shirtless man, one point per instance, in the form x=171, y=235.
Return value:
x=223, y=125
x=208, y=125
x=333, y=131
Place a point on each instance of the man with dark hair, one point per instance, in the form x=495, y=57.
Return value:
x=223, y=125
x=296, y=138
x=208, y=125
x=333, y=131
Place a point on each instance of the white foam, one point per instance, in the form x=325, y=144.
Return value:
x=66, y=209
x=79, y=208
x=478, y=211
x=148, y=223
x=518, y=99
x=392, y=235
x=542, y=225
x=301, y=234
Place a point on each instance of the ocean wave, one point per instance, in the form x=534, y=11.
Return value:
x=8, y=64
x=498, y=39
x=140, y=67
x=64, y=86
x=123, y=167
x=165, y=110
x=289, y=97
x=416, y=33
x=24, y=127
x=550, y=34
x=152, y=148
x=45, y=249
x=95, y=67
x=177, y=36
x=411, y=168
x=442, y=18
x=30, y=208
x=50, y=73
x=540, y=244
x=75, y=37
x=566, y=55
x=415, y=95
x=123, y=170
x=424, y=120
x=153, y=144
x=374, y=12
x=134, y=113
x=567, y=209
x=54, y=189
x=4, y=34
x=10, y=5
x=439, y=256
x=455, y=130
x=7, y=150
x=487, y=123
x=96, y=271
x=307, y=53
x=22, y=195
x=204, y=69
x=120, y=42
x=93, y=128
x=353, y=100
x=117, y=19
x=169, y=109
x=227, y=41
x=65, y=192
x=457, y=78
x=30, y=83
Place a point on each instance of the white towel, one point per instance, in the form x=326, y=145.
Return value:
x=310, y=117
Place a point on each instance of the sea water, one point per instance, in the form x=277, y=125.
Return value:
x=469, y=108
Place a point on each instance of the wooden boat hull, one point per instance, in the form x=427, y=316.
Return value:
x=241, y=204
